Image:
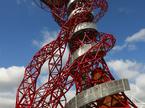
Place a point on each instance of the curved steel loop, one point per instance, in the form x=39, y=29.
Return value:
x=103, y=6
x=27, y=88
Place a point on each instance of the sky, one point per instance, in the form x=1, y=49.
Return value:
x=25, y=28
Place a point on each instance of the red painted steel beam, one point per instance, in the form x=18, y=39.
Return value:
x=85, y=71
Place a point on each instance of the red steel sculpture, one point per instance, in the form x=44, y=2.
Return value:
x=85, y=68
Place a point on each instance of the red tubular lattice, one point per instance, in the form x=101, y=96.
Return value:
x=83, y=71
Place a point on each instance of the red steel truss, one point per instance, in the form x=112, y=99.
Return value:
x=85, y=66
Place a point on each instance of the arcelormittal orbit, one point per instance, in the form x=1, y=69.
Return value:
x=85, y=68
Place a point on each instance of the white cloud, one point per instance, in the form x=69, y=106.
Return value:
x=130, y=41
x=127, y=68
x=137, y=37
x=9, y=81
x=119, y=48
x=128, y=46
x=20, y=1
x=70, y=94
x=135, y=72
x=124, y=10
x=7, y=103
x=11, y=77
x=29, y=3
x=132, y=47
x=47, y=38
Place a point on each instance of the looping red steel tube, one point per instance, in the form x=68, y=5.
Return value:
x=85, y=66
